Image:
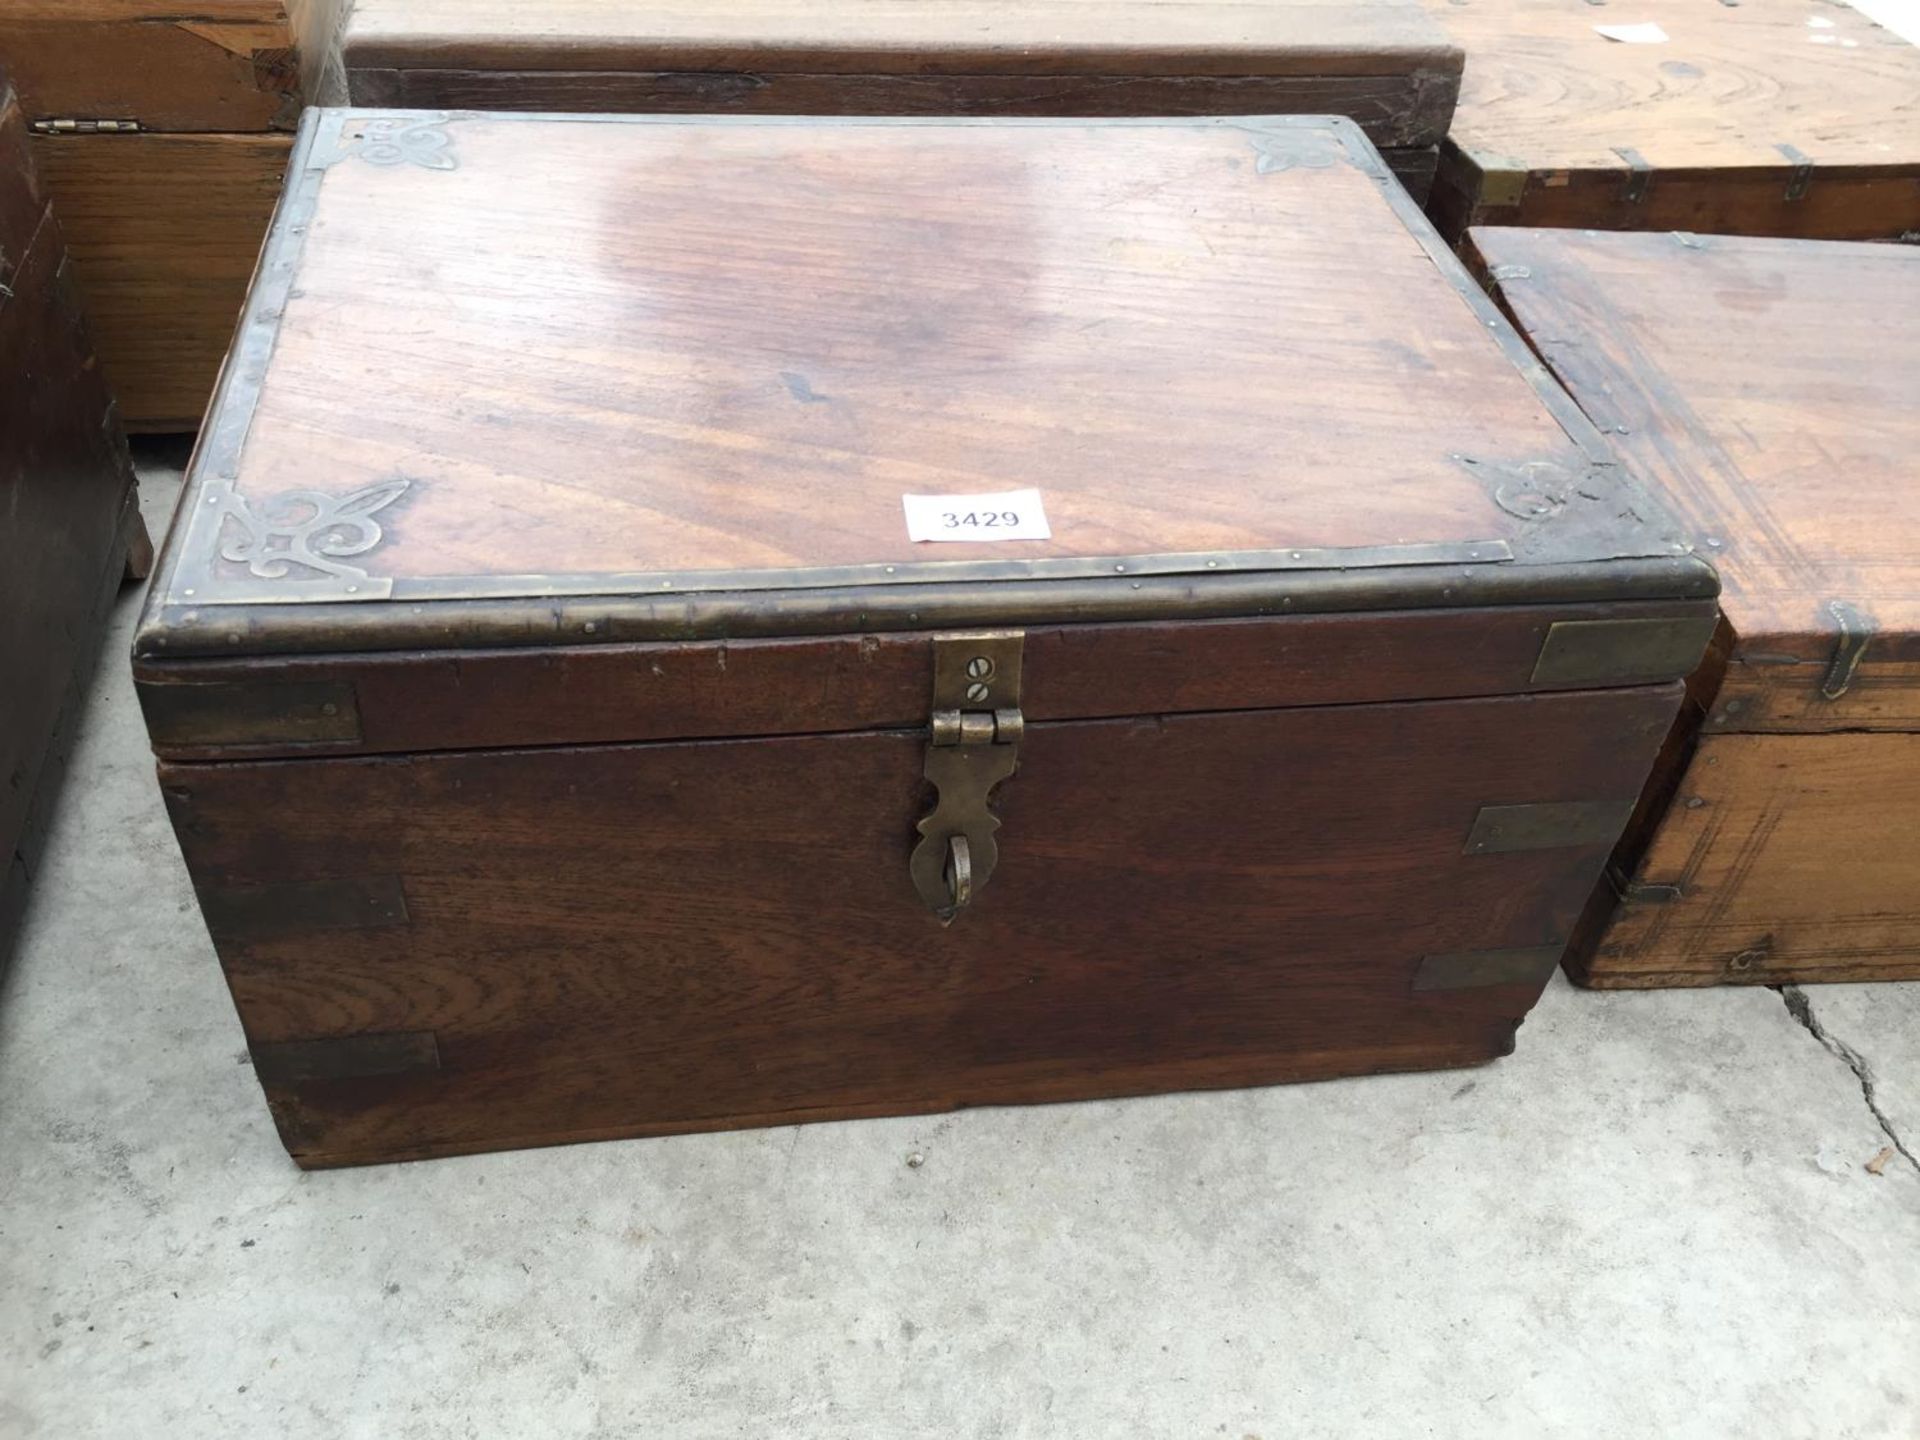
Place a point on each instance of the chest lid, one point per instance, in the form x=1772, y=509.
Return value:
x=517, y=380
x=1770, y=390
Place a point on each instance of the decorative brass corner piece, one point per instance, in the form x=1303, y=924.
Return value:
x=308, y=529
x=1296, y=149
x=399, y=140
x=973, y=744
x=1529, y=490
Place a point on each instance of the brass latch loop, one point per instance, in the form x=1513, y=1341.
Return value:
x=973, y=738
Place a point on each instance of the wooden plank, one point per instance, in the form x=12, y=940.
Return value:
x=166, y=71
x=1217, y=37
x=1784, y=859
x=649, y=939
x=411, y=703
x=1765, y=117
x=1399, y=112
x=164, y=231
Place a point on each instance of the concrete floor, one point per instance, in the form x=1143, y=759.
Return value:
x=1654, y=1220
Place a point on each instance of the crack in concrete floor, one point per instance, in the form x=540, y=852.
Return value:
x=1800, y=1006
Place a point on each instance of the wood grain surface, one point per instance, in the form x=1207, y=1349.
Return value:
x=1784, y=859
x=1547, y=107
x=1382, y=64
x=164, y=231
x=66, y=509
x=1770, y=390
x=219, y=68
x=629, y=940
x=409, y=703
x=553, y=352
x=1218, y=37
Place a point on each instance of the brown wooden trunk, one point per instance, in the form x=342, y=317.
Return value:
x=568, y=740
x=1772, y=388
x=1761, y=118
x=165, y=220
x=67, y=511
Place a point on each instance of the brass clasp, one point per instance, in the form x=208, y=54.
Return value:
x=973, y=743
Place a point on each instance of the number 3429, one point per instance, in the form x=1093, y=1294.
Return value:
x=979, y=519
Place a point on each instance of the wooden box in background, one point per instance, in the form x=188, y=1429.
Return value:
x=1770, y=389
x=68, y=516
x=1766, y=117
x=567, y=740
x=162, y=133
x=1380, y=62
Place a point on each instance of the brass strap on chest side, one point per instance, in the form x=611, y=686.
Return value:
x=973, y=743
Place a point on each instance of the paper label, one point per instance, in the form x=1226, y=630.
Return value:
x=1643, y=34
x=982, y=519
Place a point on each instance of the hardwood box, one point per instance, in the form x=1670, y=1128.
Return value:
x=567, y=740
x=163, y=134
x=1381, y=62
x=68, y=512
x=1765, y=117
x=1770, y=389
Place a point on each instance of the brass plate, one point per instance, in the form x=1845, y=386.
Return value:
x=1503, y=829
x=266, y=912
x=347, y=1057
x=1621, y=652
x=1470, y=969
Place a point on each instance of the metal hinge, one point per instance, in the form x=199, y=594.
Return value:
x=973, y=743
x=86, y=127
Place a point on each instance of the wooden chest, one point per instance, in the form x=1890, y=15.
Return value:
x=163, y=134
x=1762, y=117
x=567, y=739
x=1771, y=390
x=67, y=510
x=1381, y=62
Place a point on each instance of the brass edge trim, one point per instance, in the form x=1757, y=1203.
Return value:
x=174, y=632
x=345, y=1057
x=1471, y=969
x=236, y=393
x=1584, y=434
x=301, y=907
x=352, y=588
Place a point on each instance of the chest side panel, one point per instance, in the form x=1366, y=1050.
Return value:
x=481, y=950
x=205, y=67
x=164, y=231
x=1217, y=37
x=1785, y=858
x=1760, y=118
x=1771, y=389
x=66, y=485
